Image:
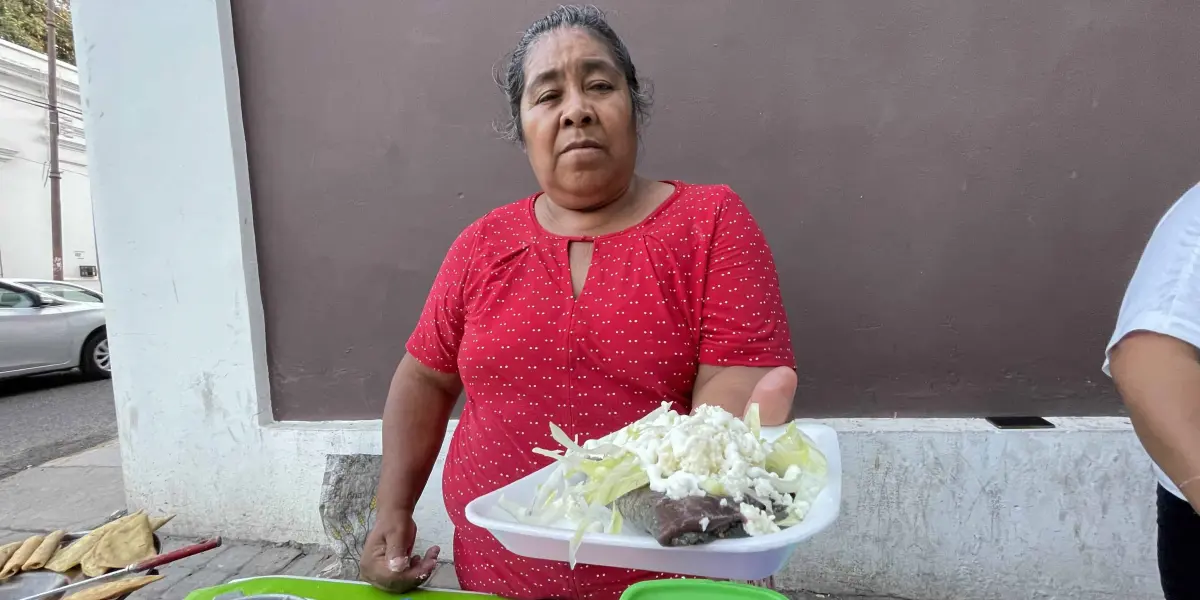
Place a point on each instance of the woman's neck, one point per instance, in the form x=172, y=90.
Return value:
x=625, y=210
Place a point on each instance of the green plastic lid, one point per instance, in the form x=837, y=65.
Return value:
x=324, y=589
x=697, y=589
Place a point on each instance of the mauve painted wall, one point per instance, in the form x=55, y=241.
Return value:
x=956, y=191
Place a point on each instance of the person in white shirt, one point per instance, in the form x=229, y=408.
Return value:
x=1154, y=358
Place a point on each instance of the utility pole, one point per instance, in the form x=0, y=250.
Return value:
x=55, y=174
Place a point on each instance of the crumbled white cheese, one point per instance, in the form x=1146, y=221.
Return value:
x=799, y=509
x=708, y=451
x=758, y=521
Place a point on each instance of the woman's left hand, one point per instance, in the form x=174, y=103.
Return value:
x=735, y=389
x=773, y=394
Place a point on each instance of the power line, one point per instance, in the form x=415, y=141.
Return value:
x=60, y=87
x=33, y=102
x=62, y=13
x=74, y=112
x=43, y=163
x=35, y=99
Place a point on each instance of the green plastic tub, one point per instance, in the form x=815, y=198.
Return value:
x=325, y=589
x=697, y=589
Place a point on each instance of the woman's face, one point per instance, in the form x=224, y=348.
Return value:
x=577, y=119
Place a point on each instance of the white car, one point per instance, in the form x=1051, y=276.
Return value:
x=41, y=333
x=62, y=289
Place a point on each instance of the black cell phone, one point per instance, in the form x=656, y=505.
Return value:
x=1020, y=423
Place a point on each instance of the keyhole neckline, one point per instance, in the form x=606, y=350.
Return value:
x=532, y=202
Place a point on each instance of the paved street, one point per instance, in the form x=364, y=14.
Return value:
x=43, y=418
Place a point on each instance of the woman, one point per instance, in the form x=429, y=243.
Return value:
x=1154, y=361
x=585, y=305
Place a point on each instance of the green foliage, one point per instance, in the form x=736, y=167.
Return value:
x=23, y=22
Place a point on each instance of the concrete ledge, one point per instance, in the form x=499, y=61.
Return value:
x=953, y=508
x=932, y=509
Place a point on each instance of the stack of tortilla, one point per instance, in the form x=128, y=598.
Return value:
x=115, y=545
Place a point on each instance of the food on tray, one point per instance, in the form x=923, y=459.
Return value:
x=685, y=479
x=70, y=557
x=74, y=555
x=44, y=551
x=156, y=523
x=18, y=558
x=6, y=552
x=131, y=541
x=683, y=522
x=116, y=544
x=114, y=589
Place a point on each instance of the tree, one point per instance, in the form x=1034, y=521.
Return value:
x=23, y=22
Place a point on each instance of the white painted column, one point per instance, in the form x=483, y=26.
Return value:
x=172, y=209
x=175, y=228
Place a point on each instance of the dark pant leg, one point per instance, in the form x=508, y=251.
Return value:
x=1178, y=547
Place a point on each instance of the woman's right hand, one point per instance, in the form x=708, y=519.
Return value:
x=387, y=560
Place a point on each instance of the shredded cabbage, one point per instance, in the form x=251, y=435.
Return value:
x=708, y=452
x=795, y=448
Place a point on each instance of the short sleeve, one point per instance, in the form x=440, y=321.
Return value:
x=742, y=321
x=1164, y=294
x=439, y=331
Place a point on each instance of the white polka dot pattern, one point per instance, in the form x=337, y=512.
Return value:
x=693, y=283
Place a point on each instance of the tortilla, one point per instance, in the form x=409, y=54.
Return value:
x=685, y=522
x=67, y=558
x=114, y=589
x=24, y=551
x=44, y=551
x=156, y=523
x=6, y=552
x=128, y=543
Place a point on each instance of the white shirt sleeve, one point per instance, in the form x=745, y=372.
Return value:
x=1164, y=294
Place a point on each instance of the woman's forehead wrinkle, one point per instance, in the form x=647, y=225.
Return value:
x=598, y=65
x=545, y=76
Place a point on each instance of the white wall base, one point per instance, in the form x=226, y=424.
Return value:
x=932, y=509
x=953, y=509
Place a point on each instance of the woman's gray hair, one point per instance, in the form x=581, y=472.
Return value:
x=510, y=72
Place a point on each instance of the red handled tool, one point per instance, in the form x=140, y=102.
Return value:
x=143, y=566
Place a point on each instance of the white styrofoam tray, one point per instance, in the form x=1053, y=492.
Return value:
x=742, y=559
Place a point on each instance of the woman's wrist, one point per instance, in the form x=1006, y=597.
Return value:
x=1192, y=495
x=1190, y=482
x=393, y=507
x=390, y=502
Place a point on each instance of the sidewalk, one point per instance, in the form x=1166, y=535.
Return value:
x=80, y=491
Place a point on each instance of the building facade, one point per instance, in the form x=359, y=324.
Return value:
x=25, y=228
x=956, y=193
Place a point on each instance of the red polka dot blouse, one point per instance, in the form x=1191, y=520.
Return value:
x=694, y=283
